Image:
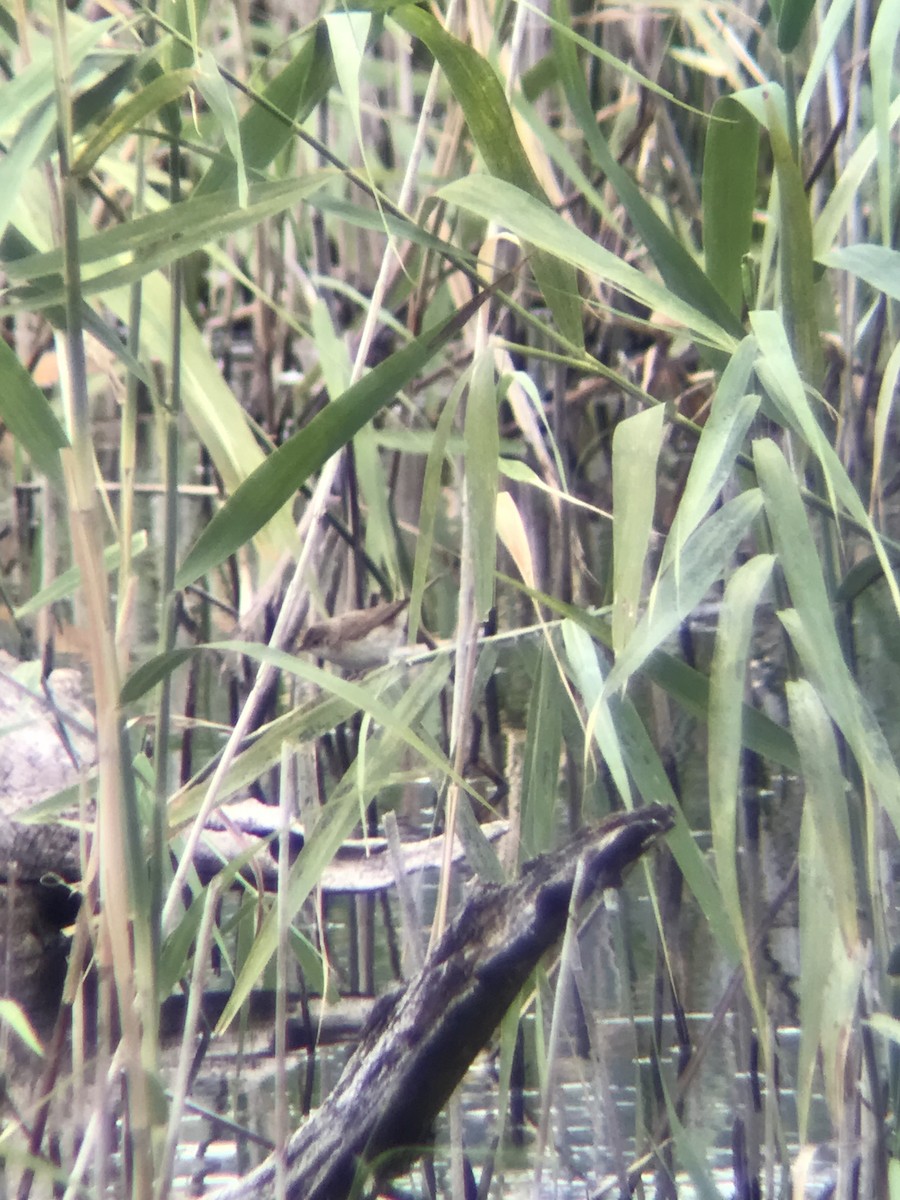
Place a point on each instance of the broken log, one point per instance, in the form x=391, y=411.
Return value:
x=420, y=1041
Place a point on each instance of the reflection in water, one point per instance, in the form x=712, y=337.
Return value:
x=577, y=1164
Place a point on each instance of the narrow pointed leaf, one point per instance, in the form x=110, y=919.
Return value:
x=792, y=20
x=27, y=415
x=534, y=222
x=217, y=95
x=706, y=557
x=266, y=126
x=478, y=90
x=726, y=739
x=156, y=240
x=636, y=445
x=680, y=271
x=712, y=465
x=273, y=483
x=164, y=89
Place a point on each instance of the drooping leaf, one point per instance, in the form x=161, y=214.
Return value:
x=795, y=243
x=879, y=266
x=534, y=222
x=680, y=271
x=336, y=821
x=688, y=687
x=541, y=756
x=826, y=796
x=726, y=739
x=266, y=126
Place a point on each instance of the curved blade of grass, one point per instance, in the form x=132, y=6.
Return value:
x=884, y=411
x=847, y=189
x=67, y=582
x=729, y=194
x=635, y=453
x=811, y=626
x=796, y=549
x=15, y=246
x=877, y=265
x=334, y=359
x=430, y=504
x=796, y=256
x=30, y=139
x=676, y=265
x=778, y=371
x=348, y=33
x=840, y=1020
x=828, y=42
x=26, y=413
x=653, y=783
x=584, y=665
x=533, y=222
x=479, y=92
x=277, y=479
x=882, y=52
x=305, y=723
x=817, y=940
x=93, y=105
x=164, y=89
x=850, y=712
x=33, y=84
x=359, y=695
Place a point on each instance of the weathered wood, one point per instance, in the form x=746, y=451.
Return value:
x=419, y=1042
x=45, y=738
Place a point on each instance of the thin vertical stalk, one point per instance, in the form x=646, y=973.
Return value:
x=191, y=1022
x=128, y=434
x=116, y=829
x=171, y=412
x=285, y=807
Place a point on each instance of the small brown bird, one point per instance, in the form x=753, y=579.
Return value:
x=360, y=639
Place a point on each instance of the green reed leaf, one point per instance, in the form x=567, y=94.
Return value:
x=729, y=196
x=286, y=469
x=636, y=445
